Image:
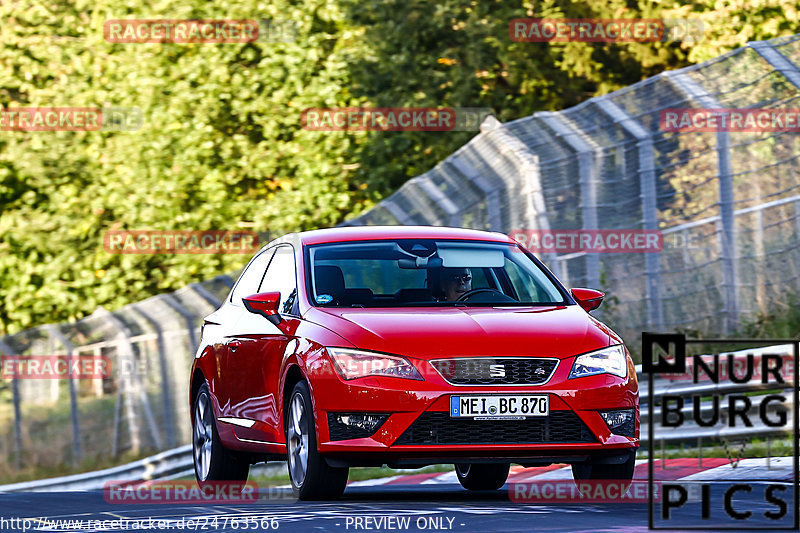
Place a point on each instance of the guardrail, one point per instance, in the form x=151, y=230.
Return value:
x=178, y=461
x=165, y=465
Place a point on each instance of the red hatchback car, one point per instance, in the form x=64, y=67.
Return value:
x=409, y=346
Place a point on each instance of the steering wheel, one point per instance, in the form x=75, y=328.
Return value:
x=474, y=292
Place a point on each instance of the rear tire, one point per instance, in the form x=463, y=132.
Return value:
x=312, y=478
x=482, y=476
x=212, y=461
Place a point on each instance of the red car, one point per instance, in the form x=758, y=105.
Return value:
x=409, y=346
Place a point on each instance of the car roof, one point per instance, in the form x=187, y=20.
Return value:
x=365, y=233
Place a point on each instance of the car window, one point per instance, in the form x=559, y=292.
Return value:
x=525, y=291
x=281, y=277
x=380, y=276
x=251, y=277
x=404, y=272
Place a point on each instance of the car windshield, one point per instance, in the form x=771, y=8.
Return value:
x=415, y=272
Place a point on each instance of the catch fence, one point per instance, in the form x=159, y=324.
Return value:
x=727, y=204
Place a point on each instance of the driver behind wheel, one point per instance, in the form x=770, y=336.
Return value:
x=455, y=282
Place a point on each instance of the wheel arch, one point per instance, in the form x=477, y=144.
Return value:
x=293, y=376
x=198, y=379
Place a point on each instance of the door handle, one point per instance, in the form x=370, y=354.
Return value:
x=233, y=345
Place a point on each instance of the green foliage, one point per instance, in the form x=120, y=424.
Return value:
x=782, y=322
x=221, y=146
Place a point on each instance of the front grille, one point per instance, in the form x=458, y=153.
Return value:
x=439, y=428
x=496, y=370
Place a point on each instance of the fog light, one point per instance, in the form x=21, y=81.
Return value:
x=619, y=421
x=344, y=426
x=361, y=421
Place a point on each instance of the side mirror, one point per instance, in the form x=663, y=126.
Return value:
x=589, y=299
x=264, y=304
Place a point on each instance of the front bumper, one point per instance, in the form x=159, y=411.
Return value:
x=410, y=403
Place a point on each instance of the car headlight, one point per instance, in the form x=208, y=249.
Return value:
x=609, y=360
x=353, y=364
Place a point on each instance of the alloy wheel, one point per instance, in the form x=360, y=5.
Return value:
x=203, y=434
x=298, y=440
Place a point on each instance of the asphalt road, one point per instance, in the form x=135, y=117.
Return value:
x=442, y=507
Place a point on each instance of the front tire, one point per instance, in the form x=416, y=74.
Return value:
x=212, y=461
x=482, y=476
x=312, y=478
x=619, y=472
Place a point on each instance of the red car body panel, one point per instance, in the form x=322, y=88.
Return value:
x=247, y=363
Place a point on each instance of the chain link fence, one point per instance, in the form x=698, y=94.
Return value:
x=727, y=204
x=137, y=405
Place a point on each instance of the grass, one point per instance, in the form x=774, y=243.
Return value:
x=90, y=464
x=47, y=440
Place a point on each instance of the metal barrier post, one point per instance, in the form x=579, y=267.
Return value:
x=588, y=153
x=6, y=350
x=55, y=333
x=647, y=177
x=727, y=233
x=166, y=385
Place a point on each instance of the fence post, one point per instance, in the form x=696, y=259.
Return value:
x=533, y=215
x=759, y=260
x=166, y=385
x=97, y=383
x=777, y=60
x=785, y=66
x=727, y=233
x=398, y=213
x=797, y=244
x=6, y=350
x=191, y=320
x=647, y=180
x=204, y=293
x=132, y=383
x=536, y=207
x=55, y=333
x=493, y=209
x=588, y=152
x=426, y=184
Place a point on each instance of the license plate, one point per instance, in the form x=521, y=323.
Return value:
x=499, y=406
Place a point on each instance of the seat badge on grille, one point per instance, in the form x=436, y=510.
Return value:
x=497, y=371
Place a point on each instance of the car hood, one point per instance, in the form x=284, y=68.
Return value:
x=425, y=332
